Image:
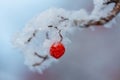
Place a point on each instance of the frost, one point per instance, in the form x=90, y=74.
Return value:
x=48, y=27
x=42, y=31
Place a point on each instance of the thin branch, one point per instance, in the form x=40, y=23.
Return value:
x=61, y=37
x=44, y=58
x=33, y=35
x=63, y=19
x=59, y=32
x=47, y=35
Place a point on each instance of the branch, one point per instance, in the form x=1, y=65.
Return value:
x=102, y=20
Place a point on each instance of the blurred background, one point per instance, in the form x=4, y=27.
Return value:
x=92, y=55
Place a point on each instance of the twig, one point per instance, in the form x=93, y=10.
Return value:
x=33, y=35
x=63, y=19
x=44, y=58
x=47, y=35
x=59, y=32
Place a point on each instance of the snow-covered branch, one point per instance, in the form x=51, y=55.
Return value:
x=43, y=41
x=101, y=20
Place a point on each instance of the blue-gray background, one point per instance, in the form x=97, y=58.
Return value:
x=93, y=55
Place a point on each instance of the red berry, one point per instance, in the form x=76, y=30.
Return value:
x=57, y=50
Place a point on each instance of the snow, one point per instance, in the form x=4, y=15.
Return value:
x=39, y=25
